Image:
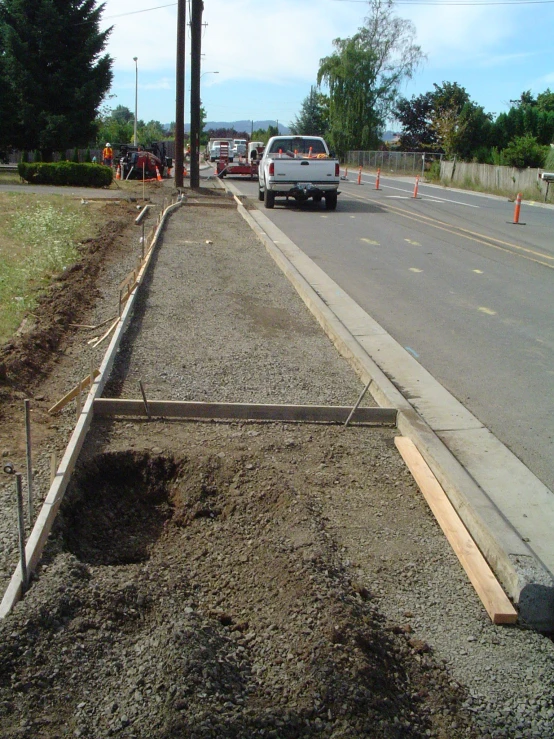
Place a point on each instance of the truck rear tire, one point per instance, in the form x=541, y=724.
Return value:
x=269, y=198
x=331, y=201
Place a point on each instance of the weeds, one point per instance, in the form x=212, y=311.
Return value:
x=39, y=240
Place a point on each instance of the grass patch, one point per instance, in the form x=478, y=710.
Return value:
x=38, y=240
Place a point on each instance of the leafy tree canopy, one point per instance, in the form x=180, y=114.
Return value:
x=364, y=74
x=54, y=71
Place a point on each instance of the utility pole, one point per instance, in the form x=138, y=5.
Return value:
x=197, y=7
x=180, y=93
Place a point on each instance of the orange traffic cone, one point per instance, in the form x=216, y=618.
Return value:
x=158, y=175
x=185, y=173
x=118, y=172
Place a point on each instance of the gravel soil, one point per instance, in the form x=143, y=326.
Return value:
x=235, y=579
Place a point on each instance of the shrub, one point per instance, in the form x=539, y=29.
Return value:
x=524, y=151
x=37, y=157
x=87, y=156
x=75, y=157
x=66, y=173
x=434, y=172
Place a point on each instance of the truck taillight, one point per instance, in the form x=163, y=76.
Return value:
x=337, y=169
x=271, y=168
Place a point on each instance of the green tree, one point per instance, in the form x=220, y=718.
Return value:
x=149, y=132
x=313, y=119
x=364, y=74
x=115, y=126
x=56, y=74
x=525, y=151
x=445, y=119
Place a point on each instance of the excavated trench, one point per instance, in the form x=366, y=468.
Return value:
x=116, y=507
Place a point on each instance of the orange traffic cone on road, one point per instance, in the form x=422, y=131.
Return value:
x=118, y=172
x=517, y=208
x=416, y=187
x=360, y=176
x=158, y=175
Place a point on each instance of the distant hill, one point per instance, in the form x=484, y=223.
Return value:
x=246, y=126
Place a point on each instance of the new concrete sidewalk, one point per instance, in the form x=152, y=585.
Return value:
x=507, y=509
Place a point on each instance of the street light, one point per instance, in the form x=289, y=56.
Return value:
x=203, y=73
x=135, y=59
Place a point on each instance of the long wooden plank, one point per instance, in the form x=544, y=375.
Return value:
x=246, y=411
x=497, y=604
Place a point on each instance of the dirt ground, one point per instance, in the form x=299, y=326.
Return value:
x=219, y=579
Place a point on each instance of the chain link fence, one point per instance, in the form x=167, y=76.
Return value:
x=394, y=162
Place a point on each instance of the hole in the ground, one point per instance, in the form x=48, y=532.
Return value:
x=116, y=507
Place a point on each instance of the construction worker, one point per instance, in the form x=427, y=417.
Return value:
x=107, y=154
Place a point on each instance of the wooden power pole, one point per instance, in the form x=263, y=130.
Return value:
x=197, y=7
x=180, y=93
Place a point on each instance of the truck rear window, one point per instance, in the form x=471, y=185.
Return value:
x=301, y=145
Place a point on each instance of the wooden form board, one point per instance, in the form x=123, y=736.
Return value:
x=45, y=519
x=496, y=602
x=108, y=407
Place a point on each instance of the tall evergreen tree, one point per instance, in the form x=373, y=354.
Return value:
x=314, y=115
x=55, y=73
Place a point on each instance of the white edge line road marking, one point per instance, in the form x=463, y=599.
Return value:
x=430, y=197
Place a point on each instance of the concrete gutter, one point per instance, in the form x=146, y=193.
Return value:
x=508, y=511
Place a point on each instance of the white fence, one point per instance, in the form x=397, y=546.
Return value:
x=492, y=178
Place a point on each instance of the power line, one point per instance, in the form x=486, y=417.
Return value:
x=445, y=3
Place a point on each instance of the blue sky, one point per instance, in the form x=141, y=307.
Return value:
x=266, y=54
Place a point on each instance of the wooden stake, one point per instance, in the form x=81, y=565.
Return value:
x=53, y=467
x=21, y=531
x=108, y=332
x=72, y=393
x=497, y=604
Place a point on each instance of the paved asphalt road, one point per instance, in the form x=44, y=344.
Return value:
x=454, y=281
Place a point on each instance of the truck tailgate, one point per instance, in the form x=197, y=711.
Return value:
x=304, y=170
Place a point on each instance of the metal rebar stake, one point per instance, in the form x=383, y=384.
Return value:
x=146, y=408
x=364, y=391
x=27, y=404
x=21, y=529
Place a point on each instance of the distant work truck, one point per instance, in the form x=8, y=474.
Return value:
x=299, y=167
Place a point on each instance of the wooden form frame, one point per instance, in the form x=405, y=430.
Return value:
x=487, y=587
x=47, y=515
x=108, y=408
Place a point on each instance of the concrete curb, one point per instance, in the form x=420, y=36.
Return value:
x=482, y=478
x=52, y=502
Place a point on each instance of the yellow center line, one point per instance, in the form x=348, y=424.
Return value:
x=488, y=311
x=467, y=234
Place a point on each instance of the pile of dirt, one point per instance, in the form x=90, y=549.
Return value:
x=233, y=616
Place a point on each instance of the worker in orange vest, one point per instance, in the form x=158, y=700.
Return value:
x=107, y=155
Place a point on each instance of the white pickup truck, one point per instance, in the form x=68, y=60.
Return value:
x=298, y=167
